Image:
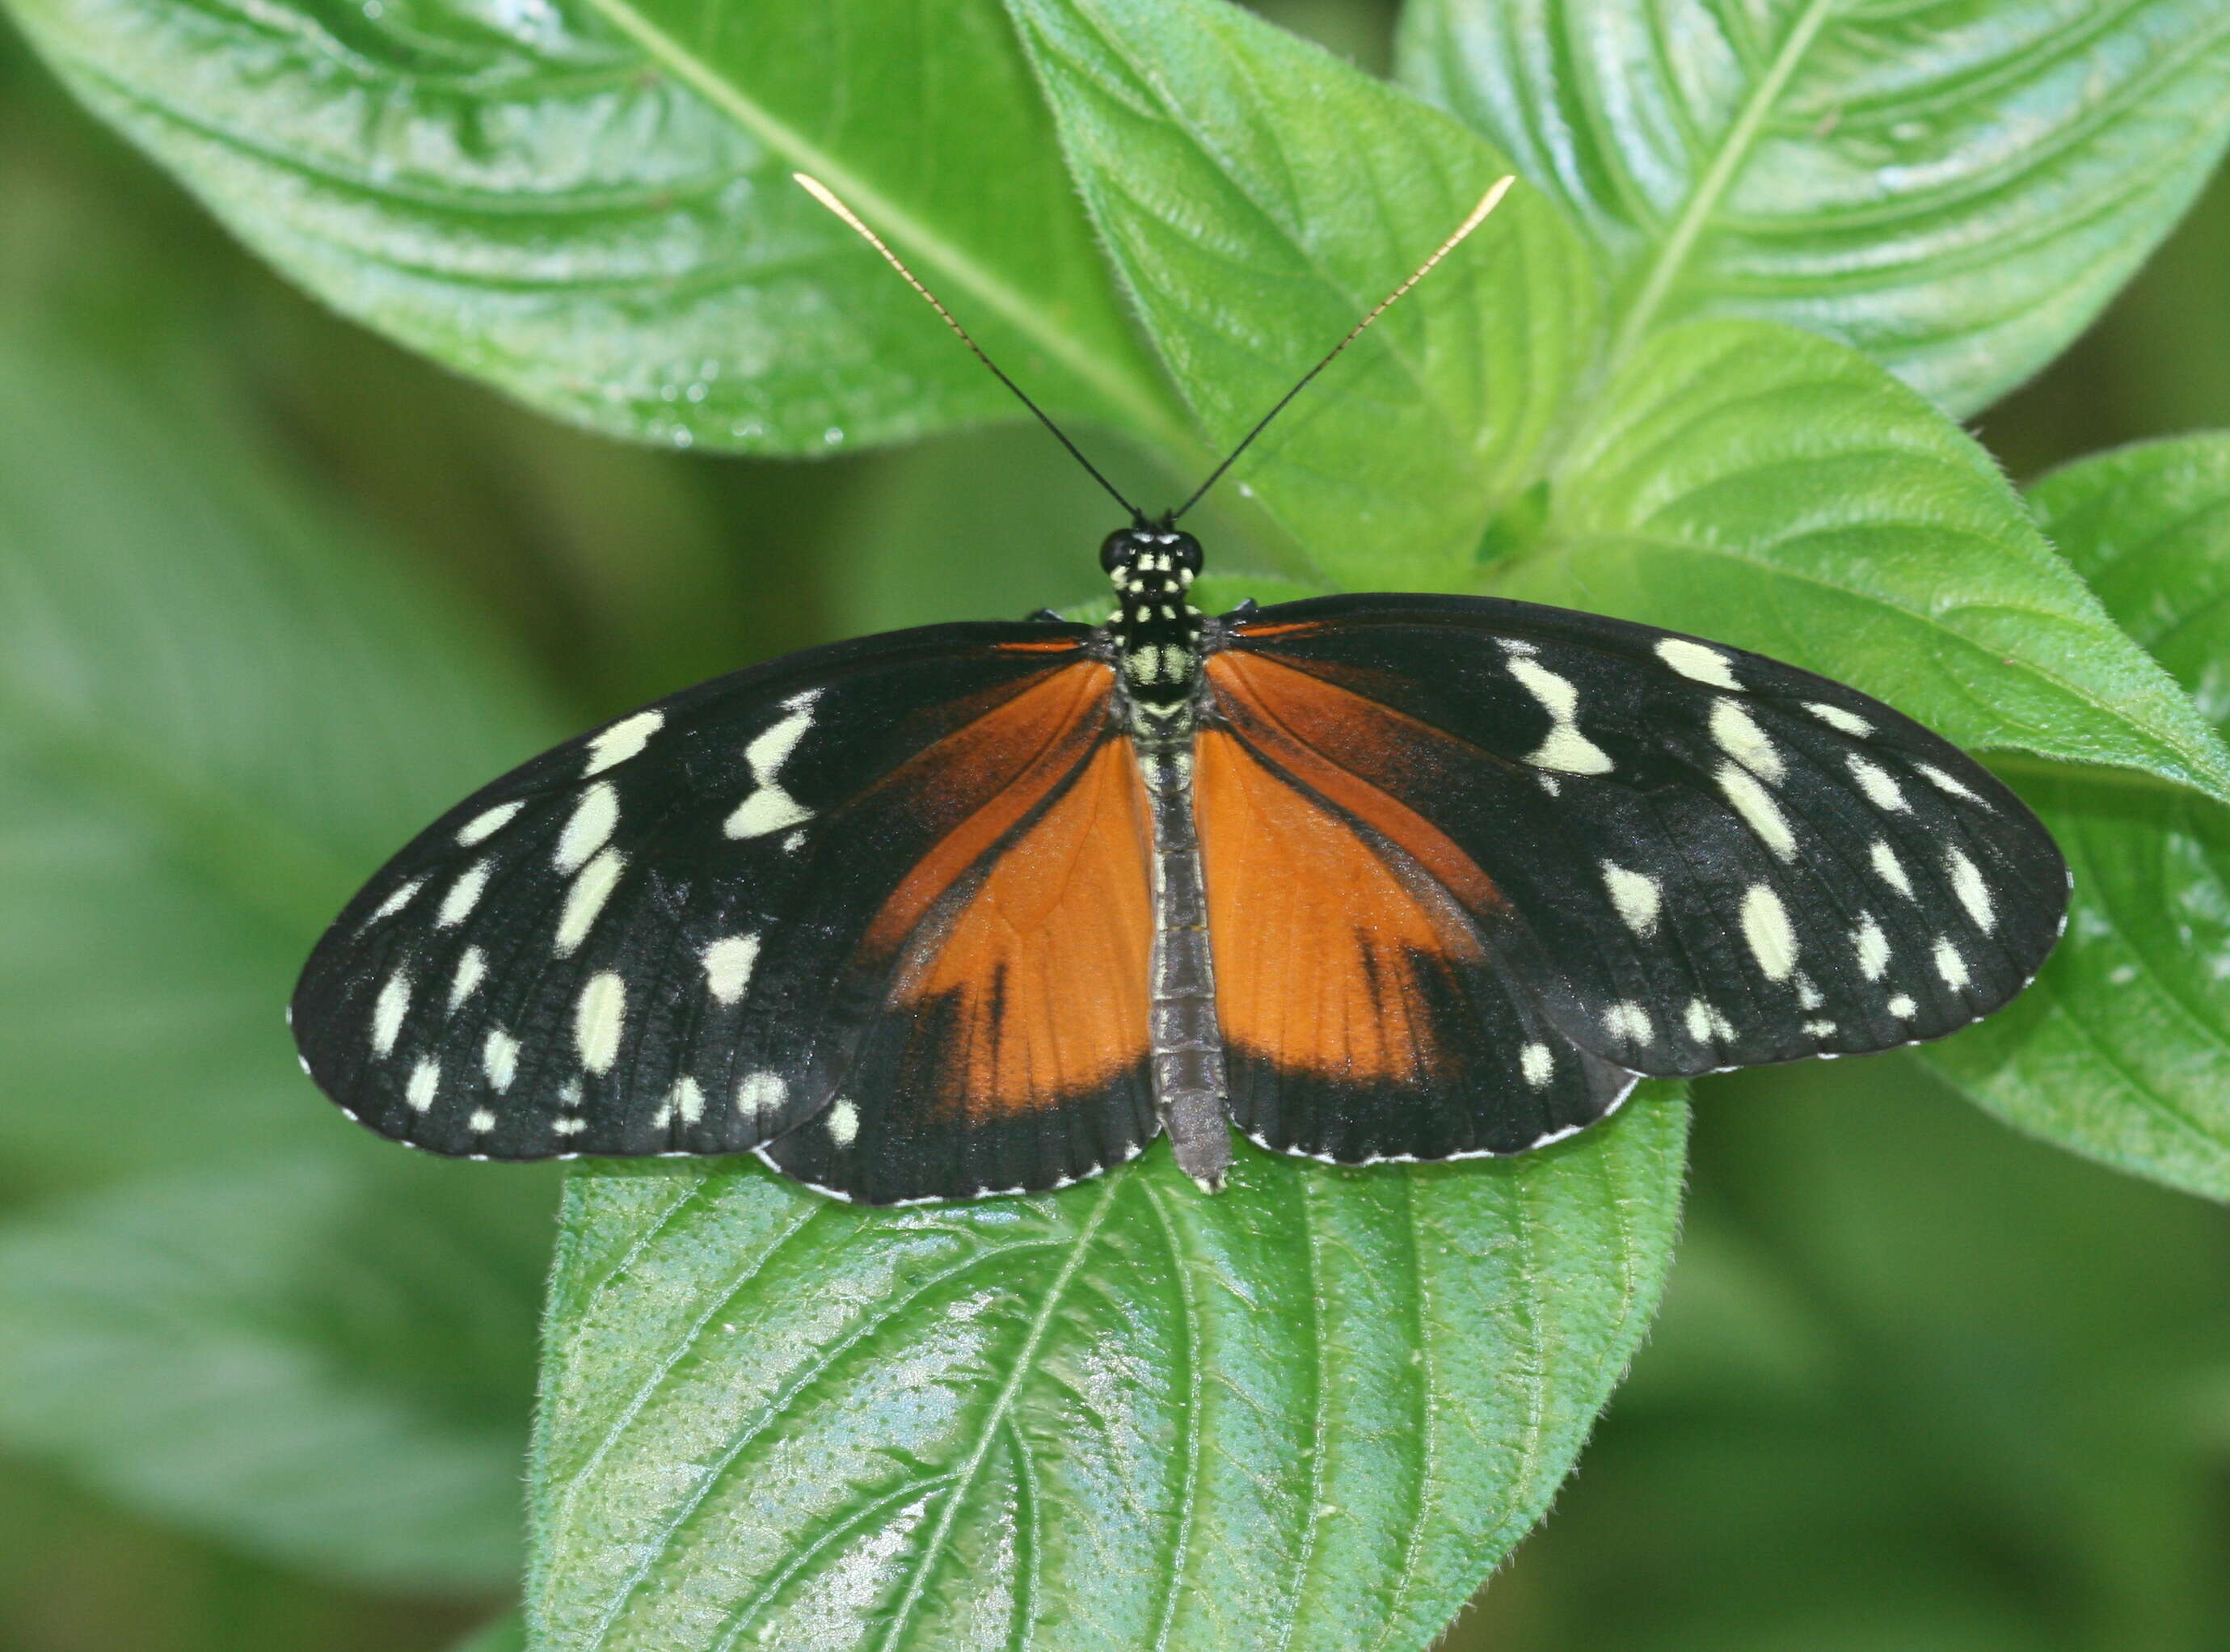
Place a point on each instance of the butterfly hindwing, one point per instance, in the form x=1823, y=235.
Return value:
x=627, y=945
x=1708, y=859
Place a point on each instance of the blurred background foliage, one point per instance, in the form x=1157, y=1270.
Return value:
x=1919, y=1383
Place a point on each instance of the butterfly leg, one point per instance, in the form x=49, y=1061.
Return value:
x=1189, y=1086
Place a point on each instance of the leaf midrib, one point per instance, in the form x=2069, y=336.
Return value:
x=1710, y=189
x=1134, y=396
x=1025, y=1366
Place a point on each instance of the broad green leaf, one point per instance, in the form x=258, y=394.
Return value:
x=588, y=202
x=310, y=1360
x=1260, y=197
x=1955, y=187
x=2122, y=1049
x=218, y=711
x=1312, y=1412
x=217, y=714
x=1779, y=491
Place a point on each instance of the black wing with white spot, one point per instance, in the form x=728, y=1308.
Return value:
x=658, y=938
x=1710, y=858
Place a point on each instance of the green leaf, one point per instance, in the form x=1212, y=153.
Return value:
x=1776, y=491
x=2122, y=1049
x=298, y=1358
x=1260, y=197
x=588, y=202
x=1312, y=1412
x=1955, y=187
x=217, y=713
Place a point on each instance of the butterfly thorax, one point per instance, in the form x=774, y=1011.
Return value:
x=1156, y=632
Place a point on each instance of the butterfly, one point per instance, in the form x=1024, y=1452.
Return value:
x=983, y=908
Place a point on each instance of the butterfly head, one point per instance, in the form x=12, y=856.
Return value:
x=1157, y=631
x=1164, y=559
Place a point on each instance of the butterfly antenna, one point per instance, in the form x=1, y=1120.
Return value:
x=1487, y=203
x=826, y=196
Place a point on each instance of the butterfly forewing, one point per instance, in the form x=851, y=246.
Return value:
x=1013, y=963
x=664, y=937
x=1704, y=858
x=1367, y=1015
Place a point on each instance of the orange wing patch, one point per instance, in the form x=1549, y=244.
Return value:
x=1322, y=953
x=1014, y=755
x=1294, y=717
x=1034, y=990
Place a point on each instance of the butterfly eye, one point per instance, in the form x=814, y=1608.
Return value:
x=1120, y=549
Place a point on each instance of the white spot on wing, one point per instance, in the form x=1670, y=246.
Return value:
x=395, y=902
x=623, y=740
x=1636, y=897
x=1756, y=805
x=728, y=964
x=1890, y=870
x=1556, y=694
x=472, y=970
x=1949, y=965
x=593, y=818
x=1630, y=1021
x=1942, y=781
x=500, y=1059
x=1974, y=894
x=598, y=1020
x=1565, y=748
x=771, y=750
x=1538, y=1065
x=482, y=1121
x=487, y=823
x=1738, y=735
x=1772, y=938
x=387, y=1014
x=1881, y=790
x=761, y=1093
x=1872, y=946
x=425, y=1080
x=585, y=899
x=686, y=1103
x=1697, y=662
x=1571, y=751
x=1836, y=717
x=464, y=895
x=1903, y=1008
x=843, y=1123
x=770, y=809
x=1705, y=1022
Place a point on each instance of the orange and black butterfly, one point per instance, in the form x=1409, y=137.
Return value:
x=983, y=908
